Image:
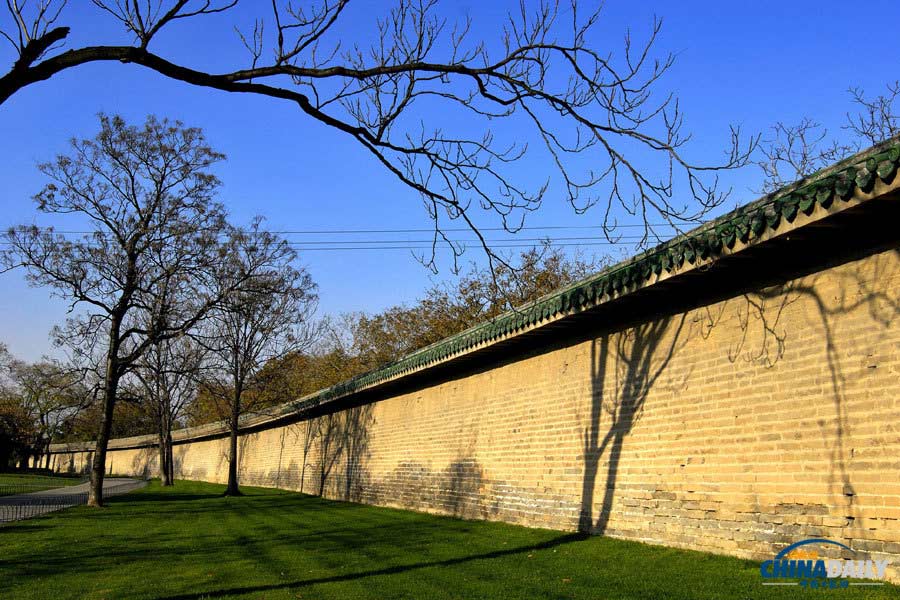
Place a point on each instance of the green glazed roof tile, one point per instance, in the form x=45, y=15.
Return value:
x=747, y=224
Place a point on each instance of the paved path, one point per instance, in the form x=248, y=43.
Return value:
x=25, y=506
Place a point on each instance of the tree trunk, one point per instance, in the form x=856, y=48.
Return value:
x=98, y=465
x=163, y=459
x=232, y=489
x=171, y=457
x=166, y=472
x=110, y=388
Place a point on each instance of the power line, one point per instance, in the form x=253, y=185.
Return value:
x=439, y=245
x=431, y=230
x=472, y=241
x=465, y=229
x=516, y=241
x=495, y=243
x=493, y=246
x=511, y=242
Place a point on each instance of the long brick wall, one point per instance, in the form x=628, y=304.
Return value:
x=744, y=410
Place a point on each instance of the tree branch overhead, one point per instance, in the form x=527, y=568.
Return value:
x=599, y=116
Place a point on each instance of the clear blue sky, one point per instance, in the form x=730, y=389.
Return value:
x=744, y=63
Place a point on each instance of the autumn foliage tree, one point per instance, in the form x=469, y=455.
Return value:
x=478, y=295
x=355, y=343
x=49, y=395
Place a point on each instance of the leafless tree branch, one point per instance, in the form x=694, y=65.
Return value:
x=613, y=138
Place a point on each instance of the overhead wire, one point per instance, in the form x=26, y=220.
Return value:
x=510, y=242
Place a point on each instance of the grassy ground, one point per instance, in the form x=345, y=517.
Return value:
x=191, y=543
x=17, y=483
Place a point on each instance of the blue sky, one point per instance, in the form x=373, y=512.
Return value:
x=737, y=63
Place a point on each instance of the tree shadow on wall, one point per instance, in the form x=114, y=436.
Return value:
x=178, y=454
x=462, y=484
x=458, y=489
x=874, y=292
x=306, y=434
x=145, y=462
x=69, y=465
x=279, y=474
x=342, y=438
x=640, y=356
x=356, y=450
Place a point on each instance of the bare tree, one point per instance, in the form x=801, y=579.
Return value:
x=168, y=373
x=793, y=152
x=876, y=119
x=796, y=151
x=140, y=189
x=609, y=134
x=264, y=320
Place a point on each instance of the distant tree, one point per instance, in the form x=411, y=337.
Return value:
x=330, y=359
x=477, y=296
x=130, y=418
x=139, y=189
x=264, y=320
x=286, y=378
x=16, y=432
x=15, y=426
x=167, y=374
x=424, y=95
x=876, y=119
x=356, y=342
x=49, y=394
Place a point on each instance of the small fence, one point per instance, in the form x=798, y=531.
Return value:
x=29, y=503
x=14, y=489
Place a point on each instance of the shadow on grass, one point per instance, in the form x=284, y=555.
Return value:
x=223, y=593
x=297, y=519
x=20, y=527
x=163, y=497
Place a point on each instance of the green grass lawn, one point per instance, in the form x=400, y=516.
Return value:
x=189, y=542
x=17, y=483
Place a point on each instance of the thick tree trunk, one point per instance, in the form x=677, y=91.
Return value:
x=232, y=489
x=110, y=388
x=98, y=465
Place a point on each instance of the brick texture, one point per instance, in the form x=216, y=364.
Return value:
x=737, y=428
